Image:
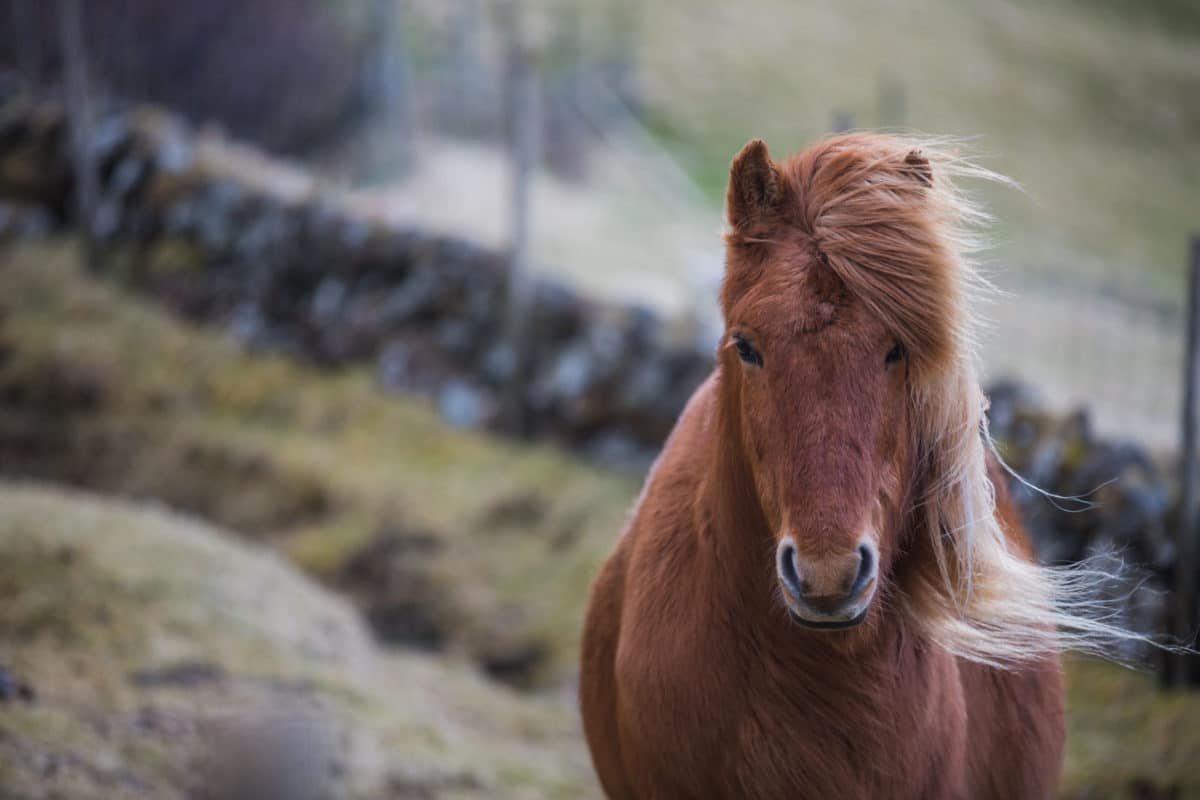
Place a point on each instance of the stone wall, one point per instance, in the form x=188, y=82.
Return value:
x=296, y=270
x=300, y=273
x=1110, y=503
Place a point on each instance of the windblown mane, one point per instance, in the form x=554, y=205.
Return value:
x=888, y=219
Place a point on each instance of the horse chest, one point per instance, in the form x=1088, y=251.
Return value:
x=701, y=719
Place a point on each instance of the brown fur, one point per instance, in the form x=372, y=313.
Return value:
x=695, y=682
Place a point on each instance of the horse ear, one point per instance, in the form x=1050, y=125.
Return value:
x=754, y=184
x=917, y=166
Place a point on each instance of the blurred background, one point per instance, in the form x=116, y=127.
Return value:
x=336, y=338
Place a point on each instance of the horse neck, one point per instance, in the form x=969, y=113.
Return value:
x=730, y=517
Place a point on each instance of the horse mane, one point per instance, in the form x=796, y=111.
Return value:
x=886, y=215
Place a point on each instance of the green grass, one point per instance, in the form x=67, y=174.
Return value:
x=1125, y=733
x=1091, y=107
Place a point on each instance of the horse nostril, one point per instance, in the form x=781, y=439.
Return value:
x=866, y=569
x=788, y=573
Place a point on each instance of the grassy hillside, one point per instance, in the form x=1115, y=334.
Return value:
x=452, y=540
x=135, y=625
x=1091, y=109
x=168, y=660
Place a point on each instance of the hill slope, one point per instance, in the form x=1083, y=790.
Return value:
x=168, y=660
x=451, y=540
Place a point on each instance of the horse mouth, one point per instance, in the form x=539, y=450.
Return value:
x=828, y=625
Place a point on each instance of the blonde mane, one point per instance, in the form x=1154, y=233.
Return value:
x=888, y=218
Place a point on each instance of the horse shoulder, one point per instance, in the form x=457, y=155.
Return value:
x=597, y=679
x=652, y=536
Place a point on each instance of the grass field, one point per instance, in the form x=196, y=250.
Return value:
x=1090, y=106
x=103, y=391
x=1091, y=109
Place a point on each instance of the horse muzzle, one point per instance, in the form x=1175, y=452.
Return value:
x=831, y=593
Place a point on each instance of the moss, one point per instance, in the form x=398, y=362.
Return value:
x=169, y=256
x=1127, y=738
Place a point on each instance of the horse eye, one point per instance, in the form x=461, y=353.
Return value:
x=894, y=355
x=746, y=351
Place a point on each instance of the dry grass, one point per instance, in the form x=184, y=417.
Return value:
x=115, y=396
x=1128, y=739
x=99, y=595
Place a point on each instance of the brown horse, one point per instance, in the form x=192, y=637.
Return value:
x=823, y=591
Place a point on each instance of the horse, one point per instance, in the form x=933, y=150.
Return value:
x=823, y=590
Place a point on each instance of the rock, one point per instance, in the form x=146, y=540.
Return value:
x=247, y=324
x=576, y=370
x=465, y=405
x=265, y=230
x=620, y=450
x=19, y=221
x=328, y=301
x=514, y=663
x=182, y=675
x=457, y=337
x=130, y=174
x=419, y=294
x=558, y=312
x=287, y=754
x=174, y=150
x=11, y=688
x=498, y=364
x=106, y=223
x=215, y=215
x=1007, y=401
x=111, y=134
x=389, y=579
x=395, y=366
x=1109, y=503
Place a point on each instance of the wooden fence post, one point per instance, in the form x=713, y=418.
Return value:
x=27, y=42
x=892, y=103
x=524, y=124
x=1184, y=610
x=79, y=118
x=387, y=84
